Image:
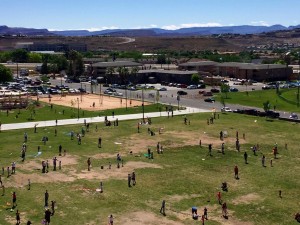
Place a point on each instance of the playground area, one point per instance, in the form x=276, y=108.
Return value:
x=92, y=102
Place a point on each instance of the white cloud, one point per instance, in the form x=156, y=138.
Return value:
x=89, y=29
x=260, y=23
x=188, y=25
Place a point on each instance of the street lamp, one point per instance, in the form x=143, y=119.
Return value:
x=143, y=106
x=298, y=78
x=178, y=99
x=126, y=95
x=78, y=108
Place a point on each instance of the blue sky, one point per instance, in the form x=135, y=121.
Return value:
x=168, y=14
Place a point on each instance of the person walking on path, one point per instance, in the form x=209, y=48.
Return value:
x=246, y=157
x=163, y=207
x=46, y=198
x=99, y=142
x=236, y=172
x=89, y=164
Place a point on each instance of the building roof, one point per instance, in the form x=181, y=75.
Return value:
x=251, y=66
x=199, y=63
x=116, y=64
x=179, y=72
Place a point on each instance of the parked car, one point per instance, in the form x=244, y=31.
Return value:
x=294, y=116
x=233, y=89
x=207, y=93
x=201, y=86
x=214, y=90
x=238, y=111
x=163, y=89
x=181, y=92
x=212, y=100
x=226, y=109
x=192, y=86
x=82, y=90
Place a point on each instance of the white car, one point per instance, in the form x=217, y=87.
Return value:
x=226, y=109
x=294, y=116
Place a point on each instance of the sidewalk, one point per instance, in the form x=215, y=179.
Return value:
x=51, y=123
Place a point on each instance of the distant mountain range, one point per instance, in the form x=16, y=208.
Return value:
x=193, y=31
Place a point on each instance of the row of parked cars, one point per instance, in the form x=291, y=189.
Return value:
x=255, y=112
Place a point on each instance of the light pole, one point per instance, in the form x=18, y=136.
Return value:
x=298, y=79
x=81, y=91
x=178, y=99
x=78, y=108
x=143, y=107
x=126, y=95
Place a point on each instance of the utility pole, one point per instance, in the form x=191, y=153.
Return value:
x=78, y=108
x=143, y=106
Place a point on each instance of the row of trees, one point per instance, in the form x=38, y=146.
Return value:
x=125, y=75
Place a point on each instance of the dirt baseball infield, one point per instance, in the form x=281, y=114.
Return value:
x=92, y=102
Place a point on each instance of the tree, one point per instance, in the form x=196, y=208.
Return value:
x=34, y=57
x=5, y=74
x=222, y=100
x=45, y=68
x=76, y=67
x=133, y=72
x=267, y=106
x=123, y=73
x=195, y=78
x=20, y=55
x=161, y=59
x=31, y=108
x=225, y=89
x=110, y=71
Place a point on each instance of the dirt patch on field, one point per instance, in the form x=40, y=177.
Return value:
x=114, y=172
x=20, y=179
x=246, y=199
x=146, y=218
x=88, y=100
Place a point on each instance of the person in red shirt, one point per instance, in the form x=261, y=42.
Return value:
x=236, y=172
x=14, y=199
x=219, y=198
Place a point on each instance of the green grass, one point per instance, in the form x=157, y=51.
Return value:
x=182, y=172
x=257, y=98
x=44, y=112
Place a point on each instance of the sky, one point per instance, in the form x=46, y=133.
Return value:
x=95, y=15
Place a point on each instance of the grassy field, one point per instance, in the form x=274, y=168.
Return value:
x=257, y=98
x=44, y=112
x=184, y=175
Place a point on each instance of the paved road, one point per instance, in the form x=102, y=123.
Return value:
x=51, y=123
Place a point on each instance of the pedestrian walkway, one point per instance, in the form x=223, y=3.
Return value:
x=52, y=123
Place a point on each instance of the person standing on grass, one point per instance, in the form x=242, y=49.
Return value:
x=1, y=180
x=129, y=180
x=236, y=172
x=263, y=160
x=99, y=142
x=209, y=149
x=13, y=168
x=246, y=157
x=163, y=207
x=47, y=217
x=52, y=208
x=89, y=164
x=54, y=163
x=46, y=198
x=223, y=148
x=224, y=209
x=133, y=178
x=59, y=150
x=18, y=217
x=14, y=199
x=205, y=213
x=111, y=220
x=219, y=197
